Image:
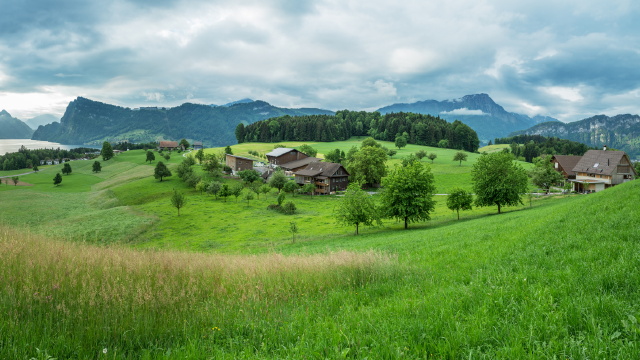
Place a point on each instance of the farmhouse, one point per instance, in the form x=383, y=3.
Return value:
x=601, y=169
x=296, y=165
x=168, y=145
x=328, y=177
x=564, y=164
x=238, y=163
x=281, y=156
x=197, y=145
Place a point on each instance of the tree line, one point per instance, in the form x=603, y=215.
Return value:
x=530, y=147
x=26, y=158
x=420, y=129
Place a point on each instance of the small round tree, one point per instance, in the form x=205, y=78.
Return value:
x=177, y=200
x=460, y=156
x=459, y=199
x=107, y=151
x=97, y=167
x=161, y=171
x=57, y=179
x=66, y=169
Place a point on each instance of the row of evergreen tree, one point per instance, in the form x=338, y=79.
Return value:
x=421, y=129
x=532, y=146
x=26, y=158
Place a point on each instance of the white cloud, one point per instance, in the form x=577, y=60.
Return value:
x=463, y=111
x=564, y=93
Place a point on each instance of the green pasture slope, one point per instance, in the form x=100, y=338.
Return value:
x=560, y=279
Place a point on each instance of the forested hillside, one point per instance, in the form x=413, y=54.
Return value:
x=91, y=122
x=12, y=128
x=420, y=129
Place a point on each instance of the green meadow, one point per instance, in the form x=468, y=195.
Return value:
x=102, y=267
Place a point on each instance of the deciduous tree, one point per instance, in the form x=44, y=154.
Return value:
x=459, y=199
x=460, y=156
x=57, y=179
x=498, y=180
x=543, y=175
x=249, y=176
x=161, y=171
x=291, y=187
x=357, y=207
x=150, y=156
x=408, y=192
x=307, y=149
x=185, y=144
x=278, y=179
x=66, y=169
x=15, y=180
x=401, y=141
x=420, y=154
x=177, y=200
x=367, y=165
x=432, y=156
x=200, y=156
x=96, y=167
x=107, y=151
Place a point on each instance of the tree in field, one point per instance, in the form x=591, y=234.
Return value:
x=291, y=187
x=307, y=149
x=16, y=180
x=150, y=156
x=543, y=175
x=227, y=150
x=255, y=188
x=177, y=200
x=201, y=186
x=57, y=179
x=107, y=151
x=357, y=207
x=308, y=188
x=249, y=176
x=459, y=199
x=214, y=188
x=408, y=193
x=460, y=156
x=367, y=165
x=444, y=143
x=391, y=152
x=185, y=144
x=35, y=168
x=293, y=229
x=66, y=169
x=212, y=165
x=497, y=180
x=200, y=156
x=236, y=190
x=161, y=171
x=224, y=192
x=401, y=141
x=167, y=156
x=96, y=166
x=277, y=180
x=420, y=154
x=432, y=156
x=248, y=195
x=265, y=189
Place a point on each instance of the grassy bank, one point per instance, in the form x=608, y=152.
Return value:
x=560, y=280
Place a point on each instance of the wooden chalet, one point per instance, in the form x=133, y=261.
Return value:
x=238, y=163
x=168, y=145
x=328, y=177
x=564, y=164
x=296, y=165
x=281, y=156
x=197, y=145
x=600, y=169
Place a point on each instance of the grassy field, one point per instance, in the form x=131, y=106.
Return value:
x=539, y=283
x=559, y=279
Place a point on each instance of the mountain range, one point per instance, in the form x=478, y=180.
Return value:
x=620, y=132
x=91, y=122
x=479, y=111
x=12, y=128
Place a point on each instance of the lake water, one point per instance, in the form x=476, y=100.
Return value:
x=13, y=145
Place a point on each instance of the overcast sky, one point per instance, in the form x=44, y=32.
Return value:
x=569, y=59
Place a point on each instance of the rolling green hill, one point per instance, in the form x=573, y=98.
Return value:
x=559, y=279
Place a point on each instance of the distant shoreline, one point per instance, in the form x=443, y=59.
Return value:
x=13, y=145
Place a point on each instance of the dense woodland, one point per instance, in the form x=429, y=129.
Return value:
x=26, y=158
x=420, y=129
x=536, y=145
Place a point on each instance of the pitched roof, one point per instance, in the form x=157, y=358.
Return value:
x=604, y=162
x=279, y=151
x=168, y=144
x=239, y=157
x=298, y=163
x=317, y=168
x=568, y=162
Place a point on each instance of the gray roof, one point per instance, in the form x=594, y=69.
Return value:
x=321, y=168
x=568, y=162
x=298, y=163
x=279, y=151
x=603, y=162
x=240, y=157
